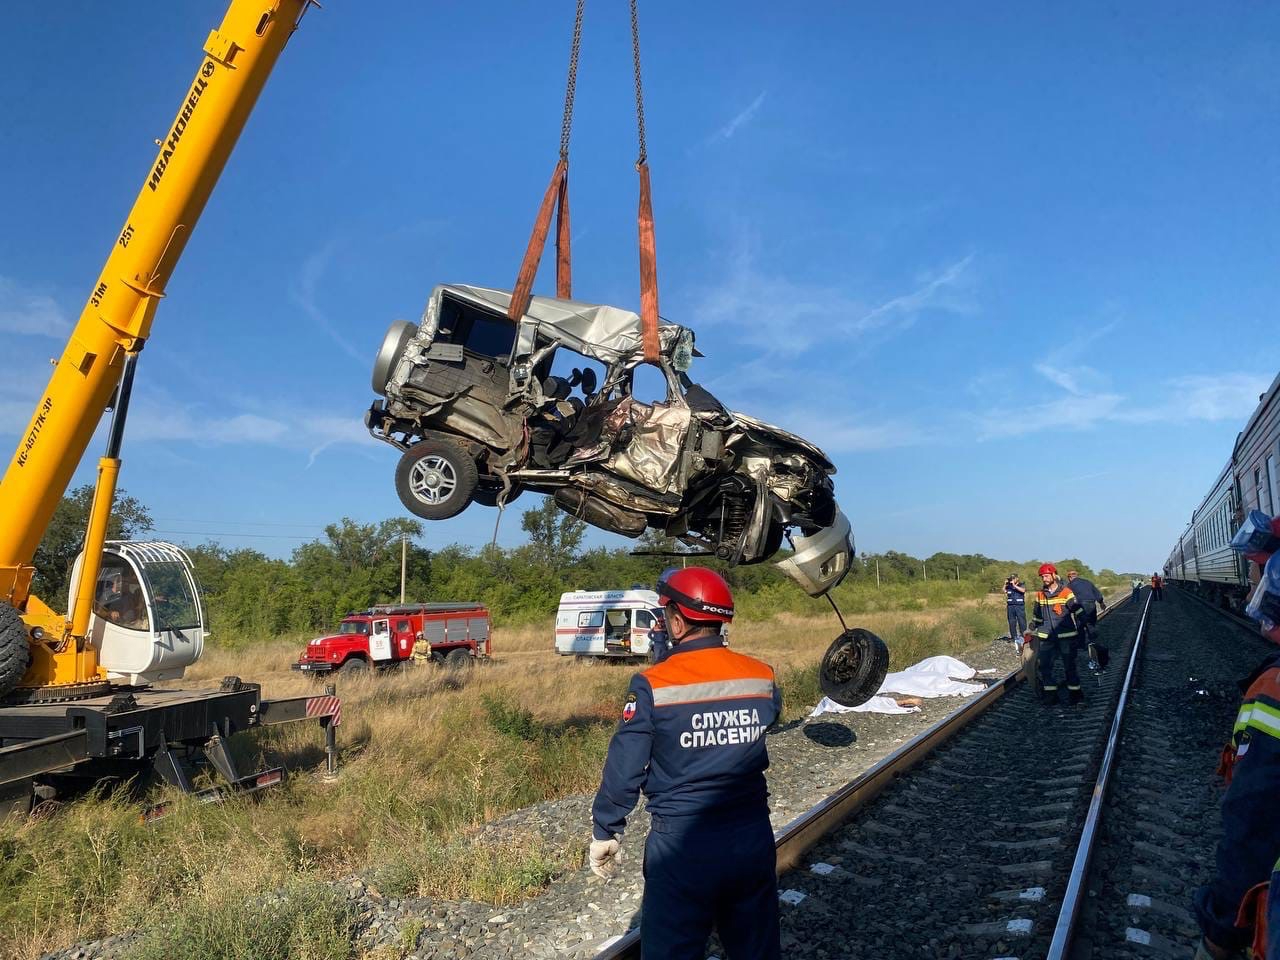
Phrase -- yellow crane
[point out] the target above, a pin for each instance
(99, 660)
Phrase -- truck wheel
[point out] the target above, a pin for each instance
(853, 667)
(354, 667)
(14, 655)
(436, 479)
(458, 659)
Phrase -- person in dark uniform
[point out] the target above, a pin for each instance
(1054, 621)
(1239, 909)
(691, 737)
(1015, 600)
(1092, 602)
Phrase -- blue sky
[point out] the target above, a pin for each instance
(1014, 268)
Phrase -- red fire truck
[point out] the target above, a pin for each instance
(385, 635)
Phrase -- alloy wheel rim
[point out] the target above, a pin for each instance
(433, 479)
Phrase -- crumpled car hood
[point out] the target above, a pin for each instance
(787, 437)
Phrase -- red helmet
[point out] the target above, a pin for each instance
(698, 593)
(1048, 568)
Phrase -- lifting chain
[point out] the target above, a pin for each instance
(635, 56)
(571, 85)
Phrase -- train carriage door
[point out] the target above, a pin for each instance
(380, 640)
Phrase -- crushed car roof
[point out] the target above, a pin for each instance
(595, 330)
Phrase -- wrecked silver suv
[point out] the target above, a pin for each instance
(471, 401)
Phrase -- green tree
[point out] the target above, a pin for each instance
(64, 539)
(555, 537)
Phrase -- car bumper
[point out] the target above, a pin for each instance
(822, 560)
(310, 667)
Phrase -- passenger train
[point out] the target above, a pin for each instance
(1202, 558)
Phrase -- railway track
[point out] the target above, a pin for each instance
(1012, 829)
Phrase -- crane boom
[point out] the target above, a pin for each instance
(238, 57)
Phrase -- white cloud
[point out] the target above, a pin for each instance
(305, 293)
(1199, 397)
(743, 117)
(946, 291)
(785, 318)
(29, 313)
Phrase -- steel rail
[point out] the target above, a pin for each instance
(1072, 899)
(796, 838)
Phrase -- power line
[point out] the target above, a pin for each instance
(222, 533)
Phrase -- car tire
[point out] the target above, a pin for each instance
(486, 494)
(436, 479)
(459, 658)
(14, 652)
(853, 667)
(354, 667)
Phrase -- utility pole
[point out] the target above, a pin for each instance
(404, 550)
(877, 573)
(957, 573)
(925, 567)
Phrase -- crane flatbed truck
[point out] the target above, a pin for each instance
(77, 694)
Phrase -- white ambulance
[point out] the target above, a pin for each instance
(606, 623)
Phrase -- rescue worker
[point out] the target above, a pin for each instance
(1015, 601)
(1232, 909)
(1054, 621)
(1157, 587)
(691, 737)
(1092, 601)
(1137, 588)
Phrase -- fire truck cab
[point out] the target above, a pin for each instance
(386, 635)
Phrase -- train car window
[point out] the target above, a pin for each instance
(1273, 485)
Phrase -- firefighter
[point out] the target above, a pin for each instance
(691, 736)
(1232, 908)
(1054, 621)
(1092, 601)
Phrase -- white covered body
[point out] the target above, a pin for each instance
(606, 623)
(147, 621)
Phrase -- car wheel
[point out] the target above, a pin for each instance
(458, 659)
(854, 667)
(354, 667)
(486, 493)
(436, 479)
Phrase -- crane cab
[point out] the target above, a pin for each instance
(147, 621)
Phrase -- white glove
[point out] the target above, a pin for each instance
(605, 856)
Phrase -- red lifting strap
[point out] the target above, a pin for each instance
(648, 270)
(556, 197)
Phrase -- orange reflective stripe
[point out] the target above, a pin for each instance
(706, 666)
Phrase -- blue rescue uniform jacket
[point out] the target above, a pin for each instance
(1012, 596)
(691, 737)
(1250, 844)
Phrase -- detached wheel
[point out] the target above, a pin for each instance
(436, 479)
(14, 654)
(458, 659)
(853, 667)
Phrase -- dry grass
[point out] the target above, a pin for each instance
(427, 756)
